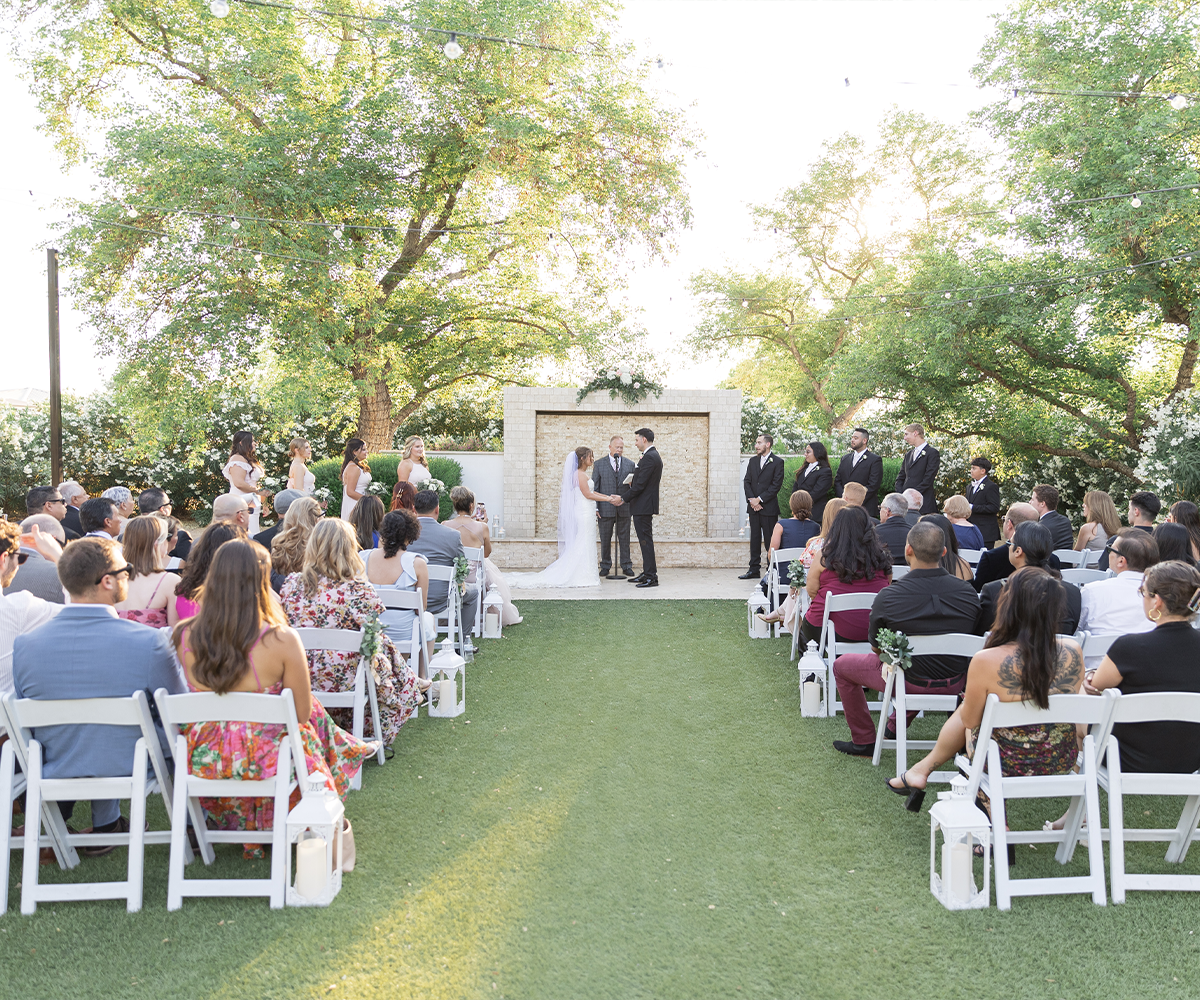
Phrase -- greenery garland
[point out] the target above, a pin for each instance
(630, 385)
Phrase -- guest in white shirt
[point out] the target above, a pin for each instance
(1114, 605)
(21, 611)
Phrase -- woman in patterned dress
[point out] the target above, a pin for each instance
(332, 592)
(238, 641)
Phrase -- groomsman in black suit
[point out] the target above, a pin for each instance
(861, 465)
(984, 497)
(610, 474)
(1045, 502)
(919, 469)
(763, 479)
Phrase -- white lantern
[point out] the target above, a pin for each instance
(756, 604)
(812, 682)
(315, 827)
(963, 825)
(493, 615)
(446, 698)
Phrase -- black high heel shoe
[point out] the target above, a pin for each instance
(916, 796)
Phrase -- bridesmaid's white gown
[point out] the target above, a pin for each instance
(364, 480)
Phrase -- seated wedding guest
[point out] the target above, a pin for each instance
(123, 498)
(365, 520)
(855, 494)
(1114, 605)
(229, 508)
(282, 501)
(1188, 514)
(331, 591)
(191, 582)
(1143, 509)
(1162, 659)
(240, 641)
(1022, 660)
(983, 498)
(21, 611)
(150, 599)
(791, 533)
(952, 562)
(958, 513)
(392, 565)
(1030, 546)
(994, 563)
(440, 546)
(99, 519)
(852, 561)
(1044, 500)
(915, 498)
(893, 528)
(928, 601)
(403, 495)
(475, 535)
(813, 546)
(1174, 543)
(1100, 522)
(50, 501)
(287, 548)
(74, 495)
(86, 651)
(175, 542)
(156, 501)
(38, 575)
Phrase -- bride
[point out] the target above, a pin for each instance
(576, 565)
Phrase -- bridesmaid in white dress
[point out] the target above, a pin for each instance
(356, 475)
(413, 468)
(299, 478)
(243, 472)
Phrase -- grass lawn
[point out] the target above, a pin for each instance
(635, 809)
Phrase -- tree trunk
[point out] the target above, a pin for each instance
(376, 424)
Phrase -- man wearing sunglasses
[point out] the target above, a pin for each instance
(1114, 605)
(48, 500)
(86, 651)
(20, 611)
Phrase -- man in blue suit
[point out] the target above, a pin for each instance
(86, 651)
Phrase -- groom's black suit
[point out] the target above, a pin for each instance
(643, 505)
(608, 480)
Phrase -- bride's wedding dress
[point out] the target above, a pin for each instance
(577, 564)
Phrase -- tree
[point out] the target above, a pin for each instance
(837, 234)
(405, 222)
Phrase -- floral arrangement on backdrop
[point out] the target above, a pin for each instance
(624, 381)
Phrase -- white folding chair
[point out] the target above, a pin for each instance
(1097, 643)
(348, 641)
(984, 774)
(398, 599)
(1081, 576)
(1070, 557)
(1173, 706)
(899, 572)
(147, 774)
(972, 556)
(777, 587)
(475, 558)
(176, 710)
(1091, 557)
(895, 692)
(830, 648)
(450, 620)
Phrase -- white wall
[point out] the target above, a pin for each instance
(483, 475)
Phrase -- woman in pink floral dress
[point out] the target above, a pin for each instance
(332, 592)
(239, 642)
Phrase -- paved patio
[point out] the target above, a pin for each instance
(673, 584)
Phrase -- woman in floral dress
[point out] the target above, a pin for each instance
(332, 592)
(238, 641)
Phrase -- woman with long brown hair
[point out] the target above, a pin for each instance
(403, 495)
(243, 470)
(356, 474)
(1100, 522)
(239, 641)
(150, 598)
(1188, 514)
(365, 519)
(191, 581)
(287, 547)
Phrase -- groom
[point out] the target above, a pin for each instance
(610, 473)
(643, 504)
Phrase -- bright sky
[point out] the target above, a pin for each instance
(763, 81)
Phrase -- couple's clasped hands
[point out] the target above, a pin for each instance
(615, 500)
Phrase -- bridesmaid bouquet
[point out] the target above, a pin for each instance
(436, 485)
(322, 494)
(381, 490)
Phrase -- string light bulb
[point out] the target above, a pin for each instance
(131, 212)
(452, 49)
(1177, 101)
(338, 232)
(258, 258)
(1010, 216)
(234, 225)
(219, 8)
(1135, 201)
(745, 303)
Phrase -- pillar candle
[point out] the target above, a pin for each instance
(956, 870)
(447, 694)
(311, 870)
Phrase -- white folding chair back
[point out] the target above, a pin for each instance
(1081, 576)
(475, 614)
(176, 710)
(972, 556)
(1096, 644)
(1172, 706)
(895, 693)
(830, 648)
(148, 773)
(348, 641)
(984, 774)
(399, 599)
(1070, 557)
(778, 587)
(899, 572)
(1091, 557)
(450, 620)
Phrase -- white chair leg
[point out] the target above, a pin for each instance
(33, 822)
(1091, 797)
(900, 705)
(279, 841)
(7, 771)
(883, 714)
(179, 814)
(1072, 830)
(1116, 824)
(375, 719)
(995, 792)
(137, 829)
(1185, 832)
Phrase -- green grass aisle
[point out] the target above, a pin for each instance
(635, 809)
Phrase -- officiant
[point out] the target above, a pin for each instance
(609, 475)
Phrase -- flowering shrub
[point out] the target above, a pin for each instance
(1170, 453)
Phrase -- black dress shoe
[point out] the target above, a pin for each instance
(100, 850)
(650, 581)
(637, 579)
(854, 749)
(752, 574)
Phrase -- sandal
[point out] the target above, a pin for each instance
(916, 796)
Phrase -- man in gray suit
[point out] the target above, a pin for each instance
(609, 475)
(440, 546)
(86, 651)
(37, 574)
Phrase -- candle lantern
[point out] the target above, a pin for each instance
(493, 615)
(446, 671)
(963, 825)
(812, 682)
(315, 828)
(756, 604)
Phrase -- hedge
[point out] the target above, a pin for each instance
(383, 470)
